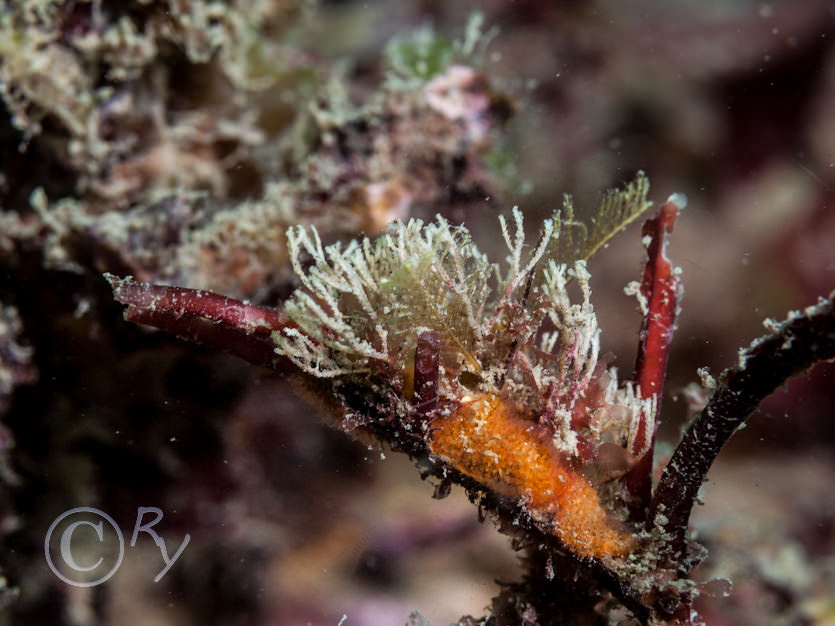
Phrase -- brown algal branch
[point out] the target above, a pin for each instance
(209, 319)
(661, 291)
(794, 346)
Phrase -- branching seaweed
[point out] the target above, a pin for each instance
(354, 298)
(791, 348)
(405, 341)
(369, 300)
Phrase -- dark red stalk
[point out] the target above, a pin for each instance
(206, 318)
(427, 367)
(661, 291)
(795, 346)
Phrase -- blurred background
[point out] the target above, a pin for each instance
(176, 140)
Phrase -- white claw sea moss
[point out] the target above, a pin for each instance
(361, 307)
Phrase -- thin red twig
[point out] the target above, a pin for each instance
(234, 326)
(427, 367)
(661, 291)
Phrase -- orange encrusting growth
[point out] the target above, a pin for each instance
(487, 440)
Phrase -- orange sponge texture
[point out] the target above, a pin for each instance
(487, 440)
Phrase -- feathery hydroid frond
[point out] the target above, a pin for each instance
(366, 301)
(575, 240)
(362, 306)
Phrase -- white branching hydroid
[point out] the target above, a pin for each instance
(364, 302)
(362, 306)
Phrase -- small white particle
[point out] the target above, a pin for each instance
(634, 289)
(766, 11)
(679, 199)
(708, 381)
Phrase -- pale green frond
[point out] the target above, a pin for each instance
(440, 281)
(362, 306)
(425, 300)
(575, 240)
(367, 301)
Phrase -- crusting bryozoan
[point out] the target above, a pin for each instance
(516, 396)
